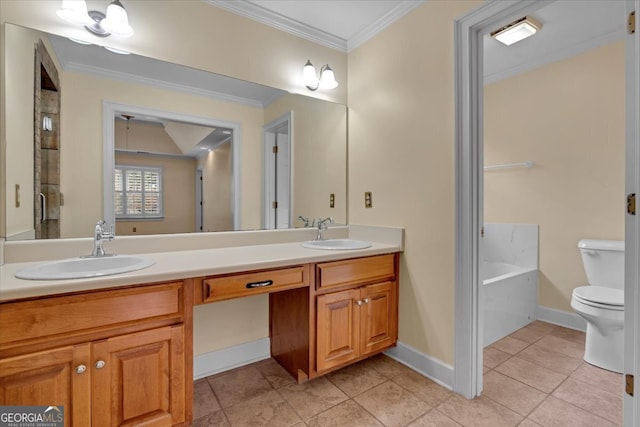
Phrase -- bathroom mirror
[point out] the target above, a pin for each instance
(97, 88)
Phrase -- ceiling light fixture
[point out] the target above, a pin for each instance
(115, 22)
(327, 79)
(517, 30)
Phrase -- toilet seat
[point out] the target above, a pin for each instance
(600, 297)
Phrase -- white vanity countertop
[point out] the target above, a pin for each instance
(185, 264)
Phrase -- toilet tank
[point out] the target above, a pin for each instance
(603, 262)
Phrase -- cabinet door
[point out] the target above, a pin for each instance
(58, 377)
(142, 379)
(379, 326)
(338, 327)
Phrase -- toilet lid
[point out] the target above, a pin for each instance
(601, 295)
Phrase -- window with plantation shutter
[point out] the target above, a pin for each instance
(138, 192)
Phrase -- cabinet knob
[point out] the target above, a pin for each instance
(366, 300)
(80, 369)
(359, 302)
(100, 364)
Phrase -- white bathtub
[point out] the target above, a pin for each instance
(509, 299)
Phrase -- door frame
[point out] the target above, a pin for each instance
(468, 33)
(199, 201)
(111, 109)
(631, 405)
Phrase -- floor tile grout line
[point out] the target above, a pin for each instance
(573, 404)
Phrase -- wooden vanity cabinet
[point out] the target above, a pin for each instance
(357, 309)
(113, 357)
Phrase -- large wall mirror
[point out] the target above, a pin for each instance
(159, 148)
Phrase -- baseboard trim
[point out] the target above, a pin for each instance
(232, 357)
(428, 366)
(561, 318)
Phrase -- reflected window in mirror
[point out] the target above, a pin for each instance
(138, 192)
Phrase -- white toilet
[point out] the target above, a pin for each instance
(601, 303)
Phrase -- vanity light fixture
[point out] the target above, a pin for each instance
(517, 30)
(327, 79)
(115, 22)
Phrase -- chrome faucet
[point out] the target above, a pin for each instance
(99, 236)
(322, 225)
(307, 222)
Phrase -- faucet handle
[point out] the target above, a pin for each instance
(322, 222)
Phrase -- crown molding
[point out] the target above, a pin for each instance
(134, 79)
(291, 26)
(402, 8)
(280, 22)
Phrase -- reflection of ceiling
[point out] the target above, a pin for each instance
(137, 69)
(186, 136)
(190, 139)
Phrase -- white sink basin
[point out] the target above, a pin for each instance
(78, 268)
(336, 244)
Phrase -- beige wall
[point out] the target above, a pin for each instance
(179, 201)
(569, 118)
(319, 155)
(401, 146)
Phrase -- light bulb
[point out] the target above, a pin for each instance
(309, 74)
(117, 22)
(327, 78)
(75, 12)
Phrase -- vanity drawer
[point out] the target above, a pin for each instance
(253, 283)
(355, 271)
(77, 314)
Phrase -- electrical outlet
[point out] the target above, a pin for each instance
(332, 200)
(368, 203)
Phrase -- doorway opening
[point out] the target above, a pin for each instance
(278, 148)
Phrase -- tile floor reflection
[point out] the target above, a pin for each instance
(534, 377)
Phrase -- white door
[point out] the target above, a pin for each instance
(278, 149)
(632, 223)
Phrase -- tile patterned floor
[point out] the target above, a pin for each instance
(534, 377)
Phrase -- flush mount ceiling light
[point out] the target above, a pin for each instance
(115, 22)
(517, 30)
(327, 79)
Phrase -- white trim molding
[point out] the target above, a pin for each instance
(428, 366)
(561, 318)
(224, 359)
(163, 84)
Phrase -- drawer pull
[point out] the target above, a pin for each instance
(260, 284)
(80, 369)
(100, 364)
